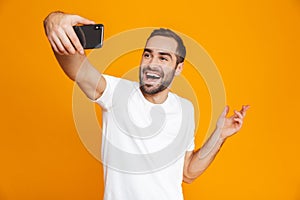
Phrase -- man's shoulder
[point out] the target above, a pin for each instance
(119, 83)
(117, 79)
(184, 101)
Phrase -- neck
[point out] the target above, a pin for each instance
(158, 98)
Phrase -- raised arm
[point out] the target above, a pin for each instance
(198, 161)
(70, 54)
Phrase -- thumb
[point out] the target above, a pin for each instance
(225, 111)
(82, 20)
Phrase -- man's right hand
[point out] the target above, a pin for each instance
(60, 33)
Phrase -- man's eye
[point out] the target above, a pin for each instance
(163, 58)
(146, 55)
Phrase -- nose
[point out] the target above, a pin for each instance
(153, 62)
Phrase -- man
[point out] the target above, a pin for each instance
(154, 175)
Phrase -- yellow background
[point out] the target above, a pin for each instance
(256, 46)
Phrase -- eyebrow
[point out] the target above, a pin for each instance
(160, 53)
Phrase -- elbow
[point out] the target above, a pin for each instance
(191, 177)
(188, 178)
(188, 181)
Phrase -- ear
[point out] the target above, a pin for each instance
(179, 68)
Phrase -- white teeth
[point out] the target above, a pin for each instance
(154, 75)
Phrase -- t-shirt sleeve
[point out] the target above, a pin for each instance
(105, 100)
(191, 147)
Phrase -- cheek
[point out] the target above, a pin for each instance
(145, 60)
(169, 72)
(142, 60)
(144, 64)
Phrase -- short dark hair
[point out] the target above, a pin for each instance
(180, 51)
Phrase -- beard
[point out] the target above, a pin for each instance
(160, 85)
(149, 89)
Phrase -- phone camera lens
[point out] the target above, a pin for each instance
(96, 27)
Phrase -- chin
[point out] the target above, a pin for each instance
(152, 90)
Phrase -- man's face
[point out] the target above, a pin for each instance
(158, 64)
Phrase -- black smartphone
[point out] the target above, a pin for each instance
(90, 36)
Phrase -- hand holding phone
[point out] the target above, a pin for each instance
(90, 36)
(60, 32)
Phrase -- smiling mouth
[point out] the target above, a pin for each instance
(152, 76)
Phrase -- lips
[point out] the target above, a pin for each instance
(150, 75)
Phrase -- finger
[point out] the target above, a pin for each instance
(247, 107)
(54, 47)
(59, 45)
(239, 114)
(225, 111)
(244, 109)
(52, 43)
(239, 120)
(74, 39)
(66, 42)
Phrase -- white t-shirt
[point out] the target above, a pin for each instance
(143, 144)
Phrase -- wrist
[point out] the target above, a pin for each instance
(222, 139)
(221, 134)
(213, 145)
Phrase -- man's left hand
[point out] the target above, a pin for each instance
(232, 124)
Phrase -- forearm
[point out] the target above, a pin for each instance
(79, 69)
(197, 162)
(204, 156)
(70, 53)
(70, 64)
